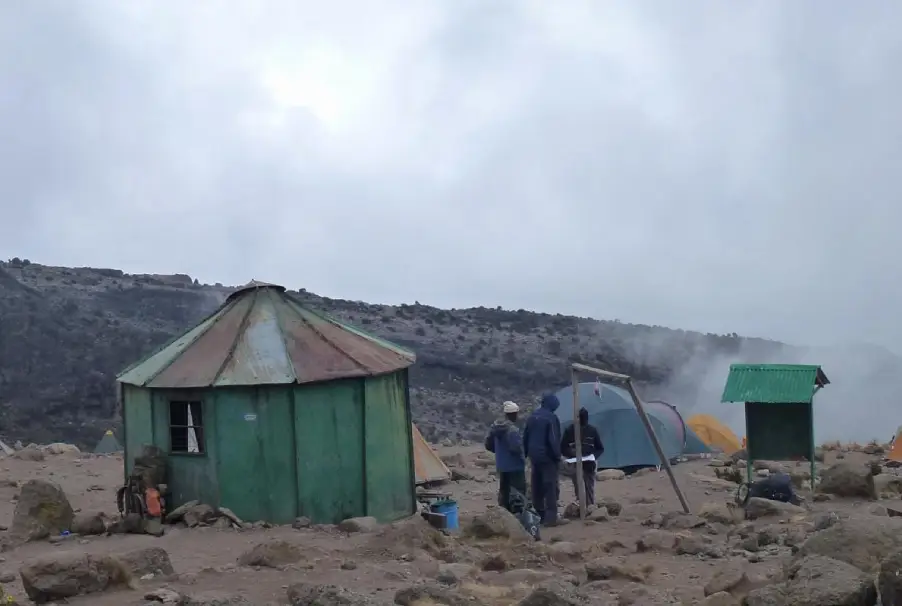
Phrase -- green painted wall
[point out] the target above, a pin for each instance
(255, 466)
(138, 425)
(389, 472)
(327, 451)
(329, 425)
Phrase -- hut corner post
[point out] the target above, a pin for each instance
(748, 446)
(578, 446)
(817, 388)
(640, 408)
(120, 406)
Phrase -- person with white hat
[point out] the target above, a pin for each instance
(505, 442)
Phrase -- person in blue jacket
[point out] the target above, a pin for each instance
(542, 441)
(505, 442)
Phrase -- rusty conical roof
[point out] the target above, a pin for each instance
(262, 336)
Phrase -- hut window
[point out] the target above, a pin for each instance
(186, 426)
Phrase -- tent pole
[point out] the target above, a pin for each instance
(578, 446)
(665, 463)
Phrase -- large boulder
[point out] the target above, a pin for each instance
(889, 579)
(30, 453)
(66, 575)
(718, 512)
(215, 598)
(150, 560)
(610, 568)
(427, 594)
(87, 524)
(58, 448)
(361, 524)
(818, 581)
(41, 511)
(272, 554)
(862, 541)
(311, 594)
(845, 479)
(411, 536)
(496, 522)
(888, 484)
(757, 507)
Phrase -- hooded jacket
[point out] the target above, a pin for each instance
(589, 437)
(504, 440)
(542, 436)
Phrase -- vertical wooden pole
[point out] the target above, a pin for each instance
(578, 446)
(665, 463)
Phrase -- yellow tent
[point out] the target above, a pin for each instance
(714, 433)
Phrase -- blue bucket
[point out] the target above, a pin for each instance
(447, 508)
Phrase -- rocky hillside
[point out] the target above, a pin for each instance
(66, 332)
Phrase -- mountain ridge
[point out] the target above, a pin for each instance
(65, 333)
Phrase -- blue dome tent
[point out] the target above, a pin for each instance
(626, 442)
(692, 444)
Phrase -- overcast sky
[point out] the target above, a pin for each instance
(718, 166)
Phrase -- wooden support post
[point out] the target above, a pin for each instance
(640, 409)
(578, 446)
(665, 463)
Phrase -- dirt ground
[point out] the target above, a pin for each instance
(205, 558)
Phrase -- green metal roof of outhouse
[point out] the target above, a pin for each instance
(773, 383)
(262, 336)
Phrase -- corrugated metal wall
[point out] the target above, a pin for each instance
(389, 468)
(327, 451)
(330, 453)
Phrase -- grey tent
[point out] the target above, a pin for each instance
(108, 444)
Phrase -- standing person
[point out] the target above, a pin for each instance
(591, 445)
(542, 440)
(505, 442)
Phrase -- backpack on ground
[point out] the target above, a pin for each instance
(524, 512)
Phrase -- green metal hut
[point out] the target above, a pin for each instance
(779, 417)
(276, 411)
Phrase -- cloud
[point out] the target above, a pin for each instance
(719, 168)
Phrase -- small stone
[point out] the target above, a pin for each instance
(301, 522)
(361, 524)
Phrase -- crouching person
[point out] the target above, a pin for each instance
(505, 442)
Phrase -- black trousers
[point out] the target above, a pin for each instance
(588, 483)
(545, 489)
(508, 480)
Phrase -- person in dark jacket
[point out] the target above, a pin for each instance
(591, 445)
(542, 440)
(505, 442)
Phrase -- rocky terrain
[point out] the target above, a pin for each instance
(636, 548)
(66, 332)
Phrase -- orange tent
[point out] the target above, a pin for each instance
(714, 433)
(895, 453)
(429, 467)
